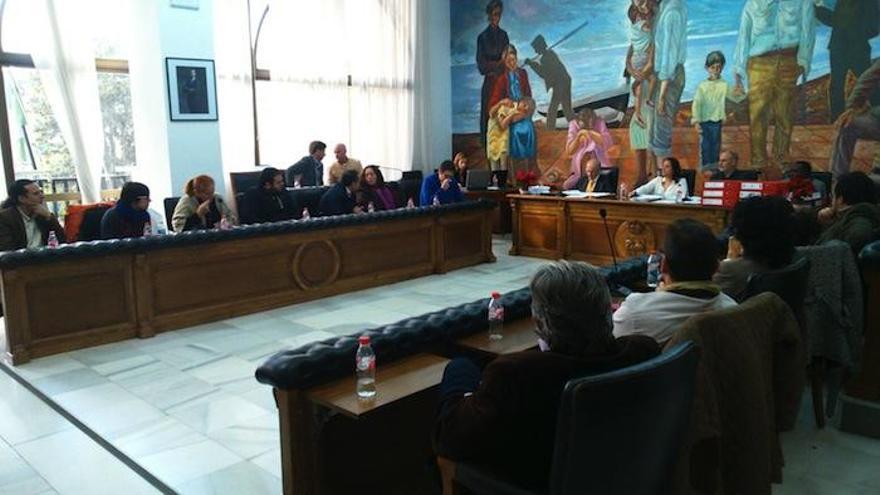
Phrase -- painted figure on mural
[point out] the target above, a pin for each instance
(550, 68)
(853, 23)
(709, 110)
(588, 137)
(490, 46)
(670, 53)
(859, 120)
(514, 85)
(774, 48)
(640, 65)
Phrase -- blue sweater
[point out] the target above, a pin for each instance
(431, 187)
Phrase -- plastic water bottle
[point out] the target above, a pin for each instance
(436, 201)
(52, 241)
(365, 361)
(305, 214)
(224, 223)
(494, 181)
(622, 192)
(371, 207)
(148, 229)
(653, 278)
(410, 204)
(496, 317)
(679, 194)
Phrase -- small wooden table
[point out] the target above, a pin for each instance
(518, 336)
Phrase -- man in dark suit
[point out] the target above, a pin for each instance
(340, 199)
(504, 419)
(727, 168)
(268, 201)
(309, 171)
(25, 222)
(593, 181)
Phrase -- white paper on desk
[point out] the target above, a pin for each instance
(693, 200)
(647, 197)
(493, 188)
(574, 193)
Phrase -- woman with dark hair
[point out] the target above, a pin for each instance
(373, 190)
(763, 231)
(853, 216)
(667, 184)
(129, 218)
(200, 207)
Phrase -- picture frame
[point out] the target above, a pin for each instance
(192, 89)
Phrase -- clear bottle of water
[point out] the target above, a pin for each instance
(365, 361)
(52, 241)
(436, 201)
(679, 194)
(410, 204)
(653, 278)
(496, 317)
(494, 181)
(371, 207)
(622, 192)
(224, 223)
(148, 229)
(305, 214)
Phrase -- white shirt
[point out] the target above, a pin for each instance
(660, 314)
(655, 186)
(670, 38)
(31, 230)
(770, 25)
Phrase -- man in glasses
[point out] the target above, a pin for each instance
(25, 222)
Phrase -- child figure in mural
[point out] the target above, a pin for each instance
(498, 133)
(708, 110)
(587, 136)
(640, 56)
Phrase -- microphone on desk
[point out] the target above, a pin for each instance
(613, 282)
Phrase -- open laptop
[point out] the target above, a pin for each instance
(478, 179)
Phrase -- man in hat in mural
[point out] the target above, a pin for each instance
(549, 67)
(774, 49)
(490, 44)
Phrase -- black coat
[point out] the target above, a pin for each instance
(261, 205)
(337, 201)
(603, 184)
(508, 425)
(736, 175)
(311, 172)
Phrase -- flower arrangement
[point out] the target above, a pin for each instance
(526, 178)
(800, 187)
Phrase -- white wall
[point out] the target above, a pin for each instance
(436, 84)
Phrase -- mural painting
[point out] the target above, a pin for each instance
(548, 85)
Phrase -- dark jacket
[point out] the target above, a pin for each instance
(114, 226)
(508, 425)
(12, 234)
(337, 201)
(311, 172)
(736, 175)
(603, 184)
(857, 225)
(260, 206)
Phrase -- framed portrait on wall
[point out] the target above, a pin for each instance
(192, 89)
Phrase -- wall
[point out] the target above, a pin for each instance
(433, 119)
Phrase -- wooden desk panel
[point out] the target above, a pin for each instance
(501, 217)
(555, 227)
(519, 336)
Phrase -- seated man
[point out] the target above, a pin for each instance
(308, 171)
(691, 258)
(505, 418)
(728, 162)
(343, 162)
(593, 180)
(441, 185)
(25, 222)
(853, 216)
(859, 121)
(268, 201)
(341, 198)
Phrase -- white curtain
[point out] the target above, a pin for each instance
(311, 48)
(65, 58)
(422, 108)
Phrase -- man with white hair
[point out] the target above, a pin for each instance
(342, 164)
(504, 419)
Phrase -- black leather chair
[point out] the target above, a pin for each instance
(170, 204)
(412, 175)
(614, 174)
(608, 443)
(308, 197)
(690, 176)
(410, 189)
(90, 229)
(241, 182)
(790, 284)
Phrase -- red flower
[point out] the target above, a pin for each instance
(526, 178)
(800, 187)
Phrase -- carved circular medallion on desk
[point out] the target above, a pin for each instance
(634, 238)
(316, 264)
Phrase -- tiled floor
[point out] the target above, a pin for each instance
(185, 406)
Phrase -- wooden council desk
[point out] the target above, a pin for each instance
(501, 217)
(556, 227)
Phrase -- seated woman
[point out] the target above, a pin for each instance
(667, 183)
(461, 167)
(763, 239)
(373, 190)
(200, 207)
(129, 218)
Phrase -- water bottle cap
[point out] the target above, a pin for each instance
(364, 340)
(496, 295)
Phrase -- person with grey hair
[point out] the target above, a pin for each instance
(504, 418)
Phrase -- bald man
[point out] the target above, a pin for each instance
(343, 162)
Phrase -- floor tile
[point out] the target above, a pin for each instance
(179, 465)
(240, 478)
